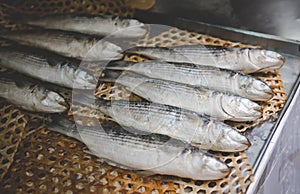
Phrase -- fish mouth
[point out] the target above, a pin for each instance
(270, 94)
(245, 145)
(132, 31)
(240, 109)
(54, 103)
(114, 53)
(248, 143)
(241, 141)
(219, 169)
(275, 57)
(260, 91)
(266, 60)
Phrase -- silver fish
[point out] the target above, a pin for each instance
(246, 60)
(30, 96)
(146, 117)
(155, 153)
(93, 25)
(47, 67)
(68, 44)
(213, 78)
(200, 100)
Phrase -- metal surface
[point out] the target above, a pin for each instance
(274, 17)
(278, 166)
(271, 42)
(261, 136)
(268, 137)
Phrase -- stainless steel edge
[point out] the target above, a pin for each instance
(260, 167)
(271, 42)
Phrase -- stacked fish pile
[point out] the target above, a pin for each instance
(189, 92)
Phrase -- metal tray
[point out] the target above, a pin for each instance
(270, 139)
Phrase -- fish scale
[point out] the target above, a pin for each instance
(155, 153)
(75, 45)
(47, 67)
(29, 94)
(201, 76)
(94, 25)
(148, 117)
(198, 99)
(246, 60)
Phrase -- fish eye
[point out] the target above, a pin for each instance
(243, 85)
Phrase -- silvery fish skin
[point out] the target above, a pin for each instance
(68, 44)
(94, 25)
(200, 100)
(202, 76)
(155, 153)
(247, 60)
(30, 96)
(47, 67)
(146, 117)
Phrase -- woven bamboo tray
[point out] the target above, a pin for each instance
(36, 160)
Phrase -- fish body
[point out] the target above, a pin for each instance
(47, 67)
(219, 105)
(93, 25)
(146, 118)
(68, 44)
(247, 60)
(222, 80)
(155, 153)
(30, 95)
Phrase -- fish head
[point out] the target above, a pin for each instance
(240, 109)
(84, 80)
(132, 28)
(265, 60)
(230, 139)
(256, 89)
(109, 50)
(52, 102)
(205, 164)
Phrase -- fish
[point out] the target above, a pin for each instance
(201, 100)
(27, 94)
(90, 24)
(147, 117)
(158, 154)
(68, 44)
(47, 66)
(218, 79)
(247, 60)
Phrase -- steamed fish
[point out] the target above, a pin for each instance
(200, 100)
(247, 60)
(155, 153)
(201, 76)
(177, 123)
(30, 95)
(80, 46)
(47, 67)
(93, 25)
